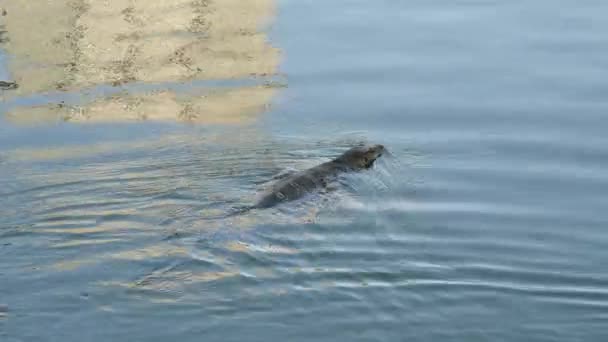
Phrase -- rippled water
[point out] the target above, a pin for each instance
(487, 224)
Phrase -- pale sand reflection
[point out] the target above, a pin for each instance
(239, 246)
(181, 277)
(221, 106)
(39, 40)
(84, 242)
(68, 45)
(167, 279)
(171, 280)
(83, 231)
(67, 152)
(153, 251)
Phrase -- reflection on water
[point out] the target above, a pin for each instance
(70, 44)
(224, 106)
(77, 44)
(490, 224)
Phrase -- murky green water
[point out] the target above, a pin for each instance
(489, 224)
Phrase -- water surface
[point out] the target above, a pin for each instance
(487, 224)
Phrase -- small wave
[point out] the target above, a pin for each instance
(409, 206)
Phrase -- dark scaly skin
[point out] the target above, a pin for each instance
(301, 183)
(7, 85)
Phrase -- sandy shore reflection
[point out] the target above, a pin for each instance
(75, 45)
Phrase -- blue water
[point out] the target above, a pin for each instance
(487, 224)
